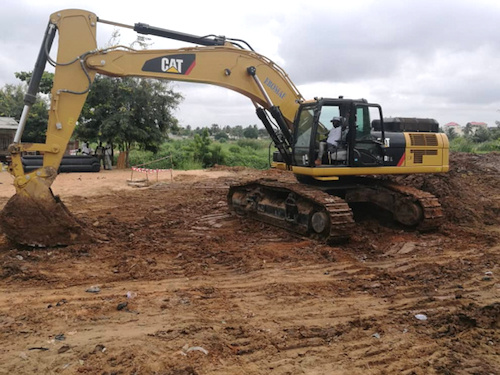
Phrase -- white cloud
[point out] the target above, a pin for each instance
(416, 58)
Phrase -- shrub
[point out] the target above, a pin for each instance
(190, 154)
(250, 143)
(488, 146)
(221, 137)
(247, 160)
(462, 144)
(217, 156)
(235, 149)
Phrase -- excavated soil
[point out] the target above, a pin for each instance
(33, 223)
(175, 284)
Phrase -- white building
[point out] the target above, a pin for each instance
(474, 126)
(453, 125)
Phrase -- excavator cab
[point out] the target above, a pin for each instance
(358, 145)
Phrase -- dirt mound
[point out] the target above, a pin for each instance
(40, 223)
(469, 193)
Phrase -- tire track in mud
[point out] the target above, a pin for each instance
(280, 318)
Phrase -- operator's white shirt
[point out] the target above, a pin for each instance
(334, 136)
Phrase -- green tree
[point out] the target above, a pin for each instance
(11, 101)
(237, 131)
(221, 136)
(468, 130)
(36, 125)
(129, 111)
(205, 152)
(451, 133)
(181, 131)
(481, 135)
(263, 133)
(45, 83)
(202, 148)
(217, 155)
(495, 131)
(12, 104)
(251, 132)
(214, 129)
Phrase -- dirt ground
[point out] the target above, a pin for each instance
(175, 284)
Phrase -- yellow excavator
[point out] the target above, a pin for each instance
(328, 179)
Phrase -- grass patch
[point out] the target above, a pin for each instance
(180, 154)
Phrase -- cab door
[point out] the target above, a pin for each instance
(367, 140)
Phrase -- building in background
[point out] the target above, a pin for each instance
(8, 127)
(453, 125)
(473, 126)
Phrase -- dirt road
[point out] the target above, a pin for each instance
(177, 285)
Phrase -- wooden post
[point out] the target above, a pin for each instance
(171, 168)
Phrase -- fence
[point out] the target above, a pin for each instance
(141, 169)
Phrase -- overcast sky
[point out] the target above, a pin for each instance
(427, 58)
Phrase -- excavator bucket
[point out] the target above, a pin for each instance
(35, 217)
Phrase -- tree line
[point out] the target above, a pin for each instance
(481, 139)
(125, 112)
(223, 133)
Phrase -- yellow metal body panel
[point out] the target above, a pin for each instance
(279, 165)
(329, 171)
(77, 35)
(426, 149)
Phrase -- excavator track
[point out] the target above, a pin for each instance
(409, 206)
(431, 211)
(293, 206)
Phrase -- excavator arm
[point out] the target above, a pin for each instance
(78, 60)
(34, 216)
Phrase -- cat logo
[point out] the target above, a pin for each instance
(172, 64)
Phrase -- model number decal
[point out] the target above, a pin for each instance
(274, 87)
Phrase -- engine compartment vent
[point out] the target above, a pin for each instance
(423, 139)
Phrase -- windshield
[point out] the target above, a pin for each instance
(303, 136)
(305, 129)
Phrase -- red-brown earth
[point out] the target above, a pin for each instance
(175, 284)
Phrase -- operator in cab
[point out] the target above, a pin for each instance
(333, 142)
